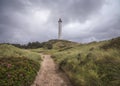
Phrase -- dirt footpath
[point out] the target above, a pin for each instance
(50, 75)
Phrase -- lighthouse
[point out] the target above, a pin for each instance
(59, 28)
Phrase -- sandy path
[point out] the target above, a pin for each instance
(50, 75)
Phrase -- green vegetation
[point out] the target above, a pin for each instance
(44, 51)
(35, 45)
(11, 51)
(53, 46)
(114, 43)
(61, 45)
(93, 64)
(16, 71)
(18, 67)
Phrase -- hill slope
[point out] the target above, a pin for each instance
(93, 64)
(11, 51)
(60, 44)
(53, 46)
(18, 67)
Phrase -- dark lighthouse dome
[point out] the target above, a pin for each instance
(60, 20)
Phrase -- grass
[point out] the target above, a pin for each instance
(44, 51)
(56, 46)
(18, 67)
(11, 51)
(93, 64)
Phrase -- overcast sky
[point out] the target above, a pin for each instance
(23, 21)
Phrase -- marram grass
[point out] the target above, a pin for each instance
(18, 67)
(94, 64)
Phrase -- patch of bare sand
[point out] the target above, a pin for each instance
(50, 75)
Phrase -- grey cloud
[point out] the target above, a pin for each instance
(11, 5)
(17, 22)
(70, 10)
(108, 30)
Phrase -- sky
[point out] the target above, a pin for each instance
(23, 21)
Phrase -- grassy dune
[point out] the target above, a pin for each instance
(56, 46)
(93, 64)
(18, 67)
(11, 51)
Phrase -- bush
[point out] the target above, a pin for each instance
(17, 71)
(114, 43)
(109, 71)
(89, 65)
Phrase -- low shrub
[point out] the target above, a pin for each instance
(17, 71)
(91, 65)
(114, 43)
(109, 71)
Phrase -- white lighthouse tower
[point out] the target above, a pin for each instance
(59, 28)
